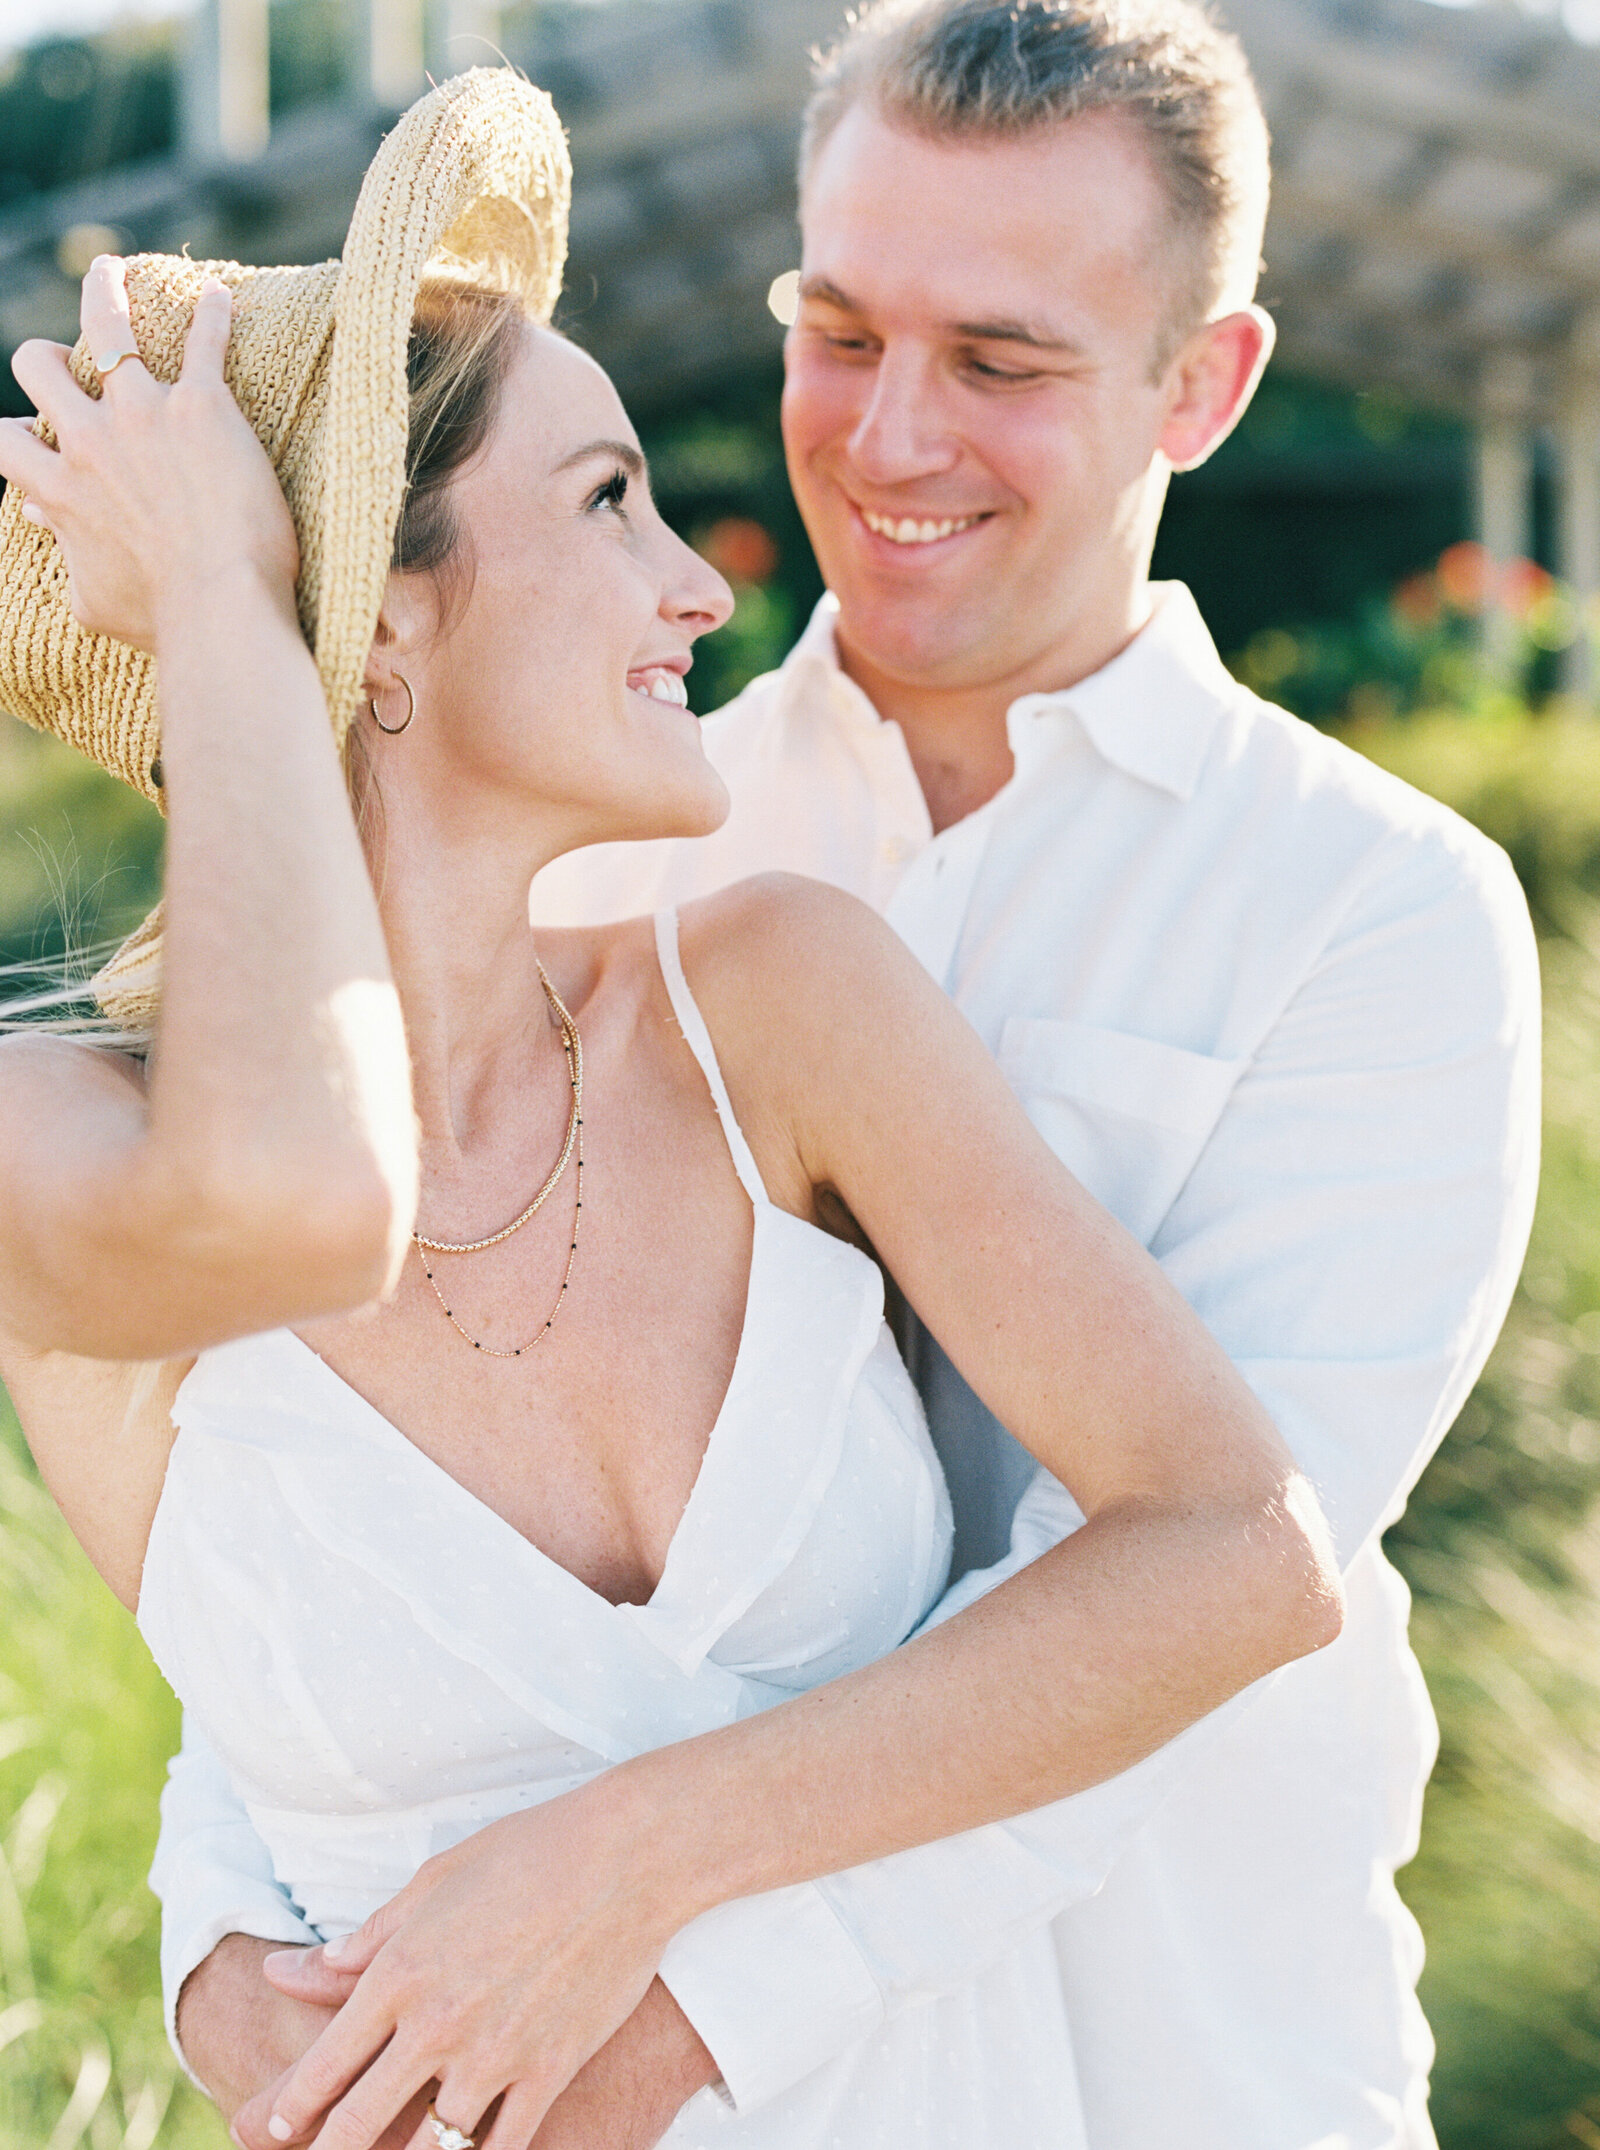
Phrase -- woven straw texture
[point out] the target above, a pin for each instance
(474, 180)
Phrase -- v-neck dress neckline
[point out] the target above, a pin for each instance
(302, 1540)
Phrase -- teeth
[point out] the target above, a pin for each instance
(906, 530)
(662, 686)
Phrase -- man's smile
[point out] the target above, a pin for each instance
(916, 530)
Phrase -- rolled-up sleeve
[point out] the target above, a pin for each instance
(212, 1874)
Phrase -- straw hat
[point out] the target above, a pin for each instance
(473, 181)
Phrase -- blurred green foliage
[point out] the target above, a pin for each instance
(80, 855)
(1466, 633)
(720, 479)
(1501, 1542)
(70, 107)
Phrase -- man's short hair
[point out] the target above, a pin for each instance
(964, 69)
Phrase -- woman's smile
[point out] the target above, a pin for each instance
(660, 683)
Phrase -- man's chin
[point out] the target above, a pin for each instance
(912, 647)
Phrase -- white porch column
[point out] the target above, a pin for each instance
(1578, 434)
(1504, 483)
(224, 101)
(462, 34)
(387, 68)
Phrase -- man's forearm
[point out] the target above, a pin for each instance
(240, 2035)
(237, 2032)
(633, 2089)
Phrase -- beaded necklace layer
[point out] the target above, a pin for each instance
(571, 1150)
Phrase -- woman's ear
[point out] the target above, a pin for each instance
(1210, 383)
(407, 621)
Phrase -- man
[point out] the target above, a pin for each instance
(1277, 1011)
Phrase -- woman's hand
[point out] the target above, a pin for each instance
(151, 491)
(497, 1972)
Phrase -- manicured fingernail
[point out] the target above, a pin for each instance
(31, 514)
(279, 2129)
(335, 1952)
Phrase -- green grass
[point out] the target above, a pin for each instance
(85, 1725)
(1501, 1545)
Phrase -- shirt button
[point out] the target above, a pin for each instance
(895, 850)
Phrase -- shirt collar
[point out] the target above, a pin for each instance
(1154, 709)
(814, 662)
(1151, 712)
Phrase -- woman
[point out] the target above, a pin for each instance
(413, 1587)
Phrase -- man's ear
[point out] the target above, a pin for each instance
(1210, 383)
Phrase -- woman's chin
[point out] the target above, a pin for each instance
(692, 802)
(679, 807)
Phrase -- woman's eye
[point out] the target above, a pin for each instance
(613, 493)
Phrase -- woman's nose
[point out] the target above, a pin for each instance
(696, 597)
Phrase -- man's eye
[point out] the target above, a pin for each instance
(613, 493)
(847, 346)
(986, 372)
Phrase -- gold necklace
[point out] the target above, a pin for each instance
(572, 1045)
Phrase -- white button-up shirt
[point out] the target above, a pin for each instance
(1280, 1013)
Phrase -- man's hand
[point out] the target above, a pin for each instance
(633, 2089)
(240, 2035)
(625, 2098)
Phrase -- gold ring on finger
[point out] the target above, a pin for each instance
(447, 2137)
(107, 362)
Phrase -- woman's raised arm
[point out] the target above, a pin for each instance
(1202, 1566)
(262, 1167)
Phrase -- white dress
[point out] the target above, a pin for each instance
(385, 1665)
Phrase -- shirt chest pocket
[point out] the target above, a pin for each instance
(1127, 1115)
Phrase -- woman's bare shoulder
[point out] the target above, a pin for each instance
(820, 1013)
(779, 935)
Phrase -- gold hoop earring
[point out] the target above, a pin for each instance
(393, 731)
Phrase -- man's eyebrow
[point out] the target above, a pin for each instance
(618, 451)
(1034, 334)
(818, 287)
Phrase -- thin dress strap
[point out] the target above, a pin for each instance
(698, 1039)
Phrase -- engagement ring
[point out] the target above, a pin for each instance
(447, 2137)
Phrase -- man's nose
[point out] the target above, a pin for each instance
(901, 434)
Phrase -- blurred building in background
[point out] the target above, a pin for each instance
(1433, 257)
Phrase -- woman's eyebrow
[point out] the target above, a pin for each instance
(616, 451)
